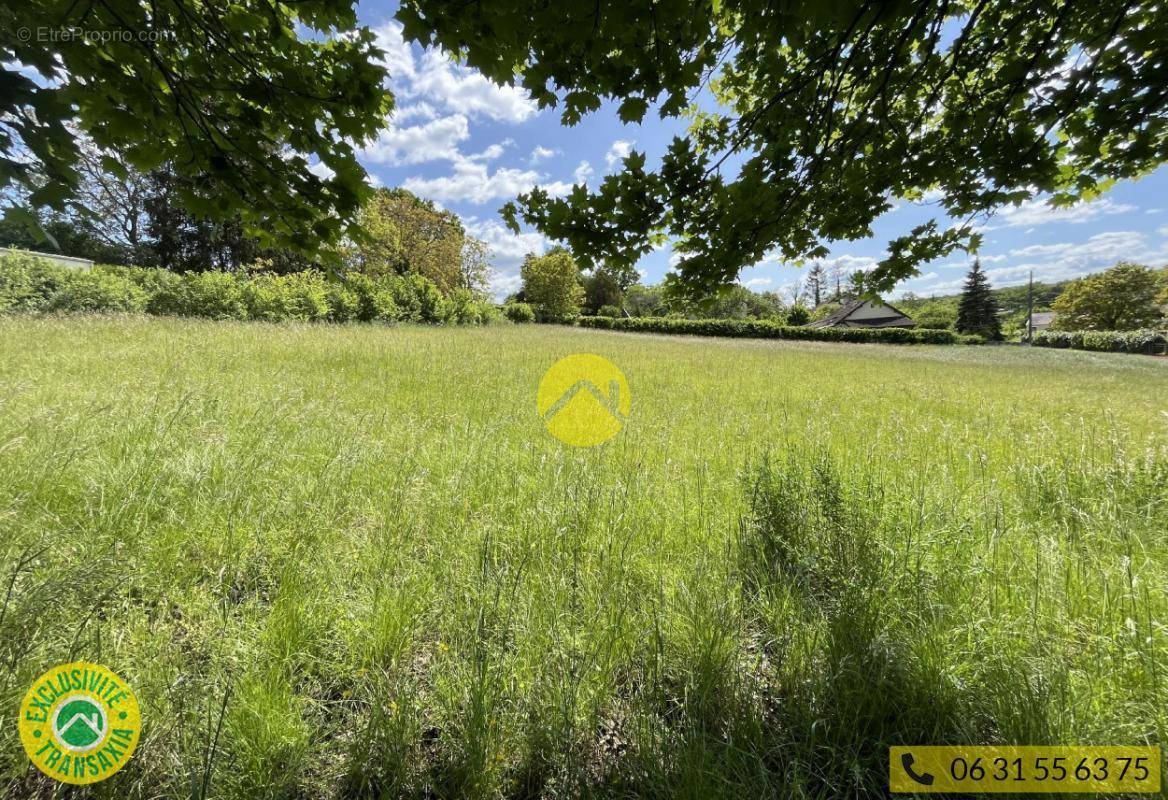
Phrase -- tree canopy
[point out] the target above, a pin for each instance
(552, 284)
(827, 113)
(402, 234)
(1119, 299)
(233, 98)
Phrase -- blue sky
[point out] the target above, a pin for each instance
(471, 146)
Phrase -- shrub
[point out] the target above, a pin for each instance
(299, 296)
(1142, 341)
(610, 311)
(31, 284)
(94, 290)
(423, 299)
(375, 301)
(343, 303)
(214, 295)
(766, 329)
(469, 308)
(934, 319)
(798, 315)
(519, 312)
(27, 283)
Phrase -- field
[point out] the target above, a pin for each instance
(351, 562)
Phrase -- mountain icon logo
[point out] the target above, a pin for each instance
(584, 400)
(79, 723)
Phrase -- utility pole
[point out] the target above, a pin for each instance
(1030, 309)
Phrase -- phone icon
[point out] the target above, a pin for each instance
(924, 779)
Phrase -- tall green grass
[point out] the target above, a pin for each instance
(350, 562)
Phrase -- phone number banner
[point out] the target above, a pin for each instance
(1024, 769)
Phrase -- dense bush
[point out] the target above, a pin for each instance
(935, 319)
(214, 295)
(519, 312)
(798, 315)
(27, 284)
(96, 291)
(1142, 341)
(30, 284)
(375, 301)
(764, 329)
(300, 296)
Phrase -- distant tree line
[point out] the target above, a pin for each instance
(554, 287)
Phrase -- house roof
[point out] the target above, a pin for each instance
(894, 319)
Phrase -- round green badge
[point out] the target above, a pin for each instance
(79, 723)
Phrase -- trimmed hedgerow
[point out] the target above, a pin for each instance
(1142, 341)
(765, 329)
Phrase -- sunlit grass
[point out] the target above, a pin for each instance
(363, 545)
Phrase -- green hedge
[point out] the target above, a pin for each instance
(1142, 341)
(33, 285)
(763, 329)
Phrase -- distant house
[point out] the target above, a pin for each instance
(65, 261)
(866, 314)
(1041, 320)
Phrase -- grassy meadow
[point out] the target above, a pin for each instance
(350, 562)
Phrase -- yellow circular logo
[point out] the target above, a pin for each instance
(584, 400)
(79, 723)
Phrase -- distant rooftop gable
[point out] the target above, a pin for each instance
(866, 314)
(64, 261)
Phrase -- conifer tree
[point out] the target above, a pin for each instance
(977, 313)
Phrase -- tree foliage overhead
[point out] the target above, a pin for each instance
(234, 97)
(827, 112)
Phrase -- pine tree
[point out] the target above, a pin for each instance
(816, 282)
(977, 313)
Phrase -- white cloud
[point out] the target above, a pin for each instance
(473, 182)
(503, 283)
(436, 79)
(431, 141)
(322, 170)
(619, 150)
(399, 58)
(507, 252)
(1065, 260)
(540, 153)
(1162, 231)
(753, 282)
(1036, 212)
(492, 152)
(582, 173)
(507, 248)
(460, 88)
(422, 111)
